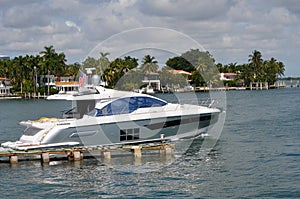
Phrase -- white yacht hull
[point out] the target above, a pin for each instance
(88, 132)
(117, 118)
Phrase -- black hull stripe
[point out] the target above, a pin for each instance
(177, 122)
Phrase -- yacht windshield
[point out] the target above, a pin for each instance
(128, 105)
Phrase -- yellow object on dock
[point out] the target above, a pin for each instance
(46, 119)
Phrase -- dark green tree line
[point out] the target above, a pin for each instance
(256, 70)
(22, 70)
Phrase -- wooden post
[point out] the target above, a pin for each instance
(169, 151)
(107, 155)
(70, 155)
(137, 152)
(137, 161)
(45, 157)
(77, 155)
(13, 159)
(261, 85)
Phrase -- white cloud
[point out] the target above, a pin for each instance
(282, 16)
(71, 24)
(230, 29)
(189, 9)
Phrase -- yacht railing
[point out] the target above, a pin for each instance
(208, 102)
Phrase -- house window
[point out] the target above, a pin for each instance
(129, 134)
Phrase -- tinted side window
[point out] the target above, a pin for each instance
(128, 105)
(120, 106)
(145, 102)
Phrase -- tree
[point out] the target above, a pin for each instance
(246, 73)
(271, 70)
(103, 63)
(180, 63)
(72, 69)
(255, 63)
(149, 64)
(47, 62)
(89, 62)
(117, 69)
(201, 64)
(20, 71)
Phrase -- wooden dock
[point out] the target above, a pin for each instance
(12, 156)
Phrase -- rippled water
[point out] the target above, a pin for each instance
(257, 155)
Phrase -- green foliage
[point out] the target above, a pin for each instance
(131, 80)
(99, 64)
(257, 69)
(43, 90)
(201, 64)
(118, 73)
(89, 62)
(23, 69)
(230, 83)
(149, 64)
(117, 69)
(197, 79)
(169, 79)
(180, 63)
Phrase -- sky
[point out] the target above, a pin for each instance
(229, 29)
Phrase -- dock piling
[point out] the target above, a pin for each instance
(13, 159)
(76, 154)
(137, 152)
(106, 155)
(45, 158)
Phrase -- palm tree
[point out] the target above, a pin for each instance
(246, 73)
(280, 68)
(256, 63)
(20, 70)
(47, 62)
(103, 63)
(102, 54)
(149, 64)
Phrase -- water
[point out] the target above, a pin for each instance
(257, 155)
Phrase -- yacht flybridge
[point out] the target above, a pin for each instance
(109, 117)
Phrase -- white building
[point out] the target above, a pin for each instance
(5, 87)
(228, 76)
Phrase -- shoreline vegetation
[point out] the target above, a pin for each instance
(30, 73)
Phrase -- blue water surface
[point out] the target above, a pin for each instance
(257, 156)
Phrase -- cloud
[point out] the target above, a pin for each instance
(24, 16)
(189, 9)
(281, 15)
(229, 29)
(71, 24)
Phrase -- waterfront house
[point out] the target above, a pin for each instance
(67, 85)
(181, 72)
(5, 87)
(228, 76)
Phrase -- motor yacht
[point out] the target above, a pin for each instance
(110, 117)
